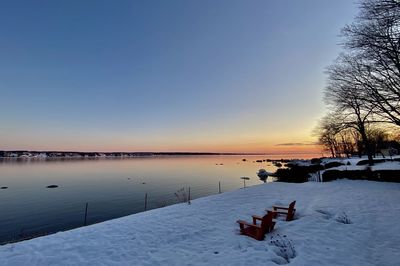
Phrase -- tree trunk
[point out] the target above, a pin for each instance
(367, 146)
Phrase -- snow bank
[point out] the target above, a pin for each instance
(206, 233)
(351, 164)
(347, 161)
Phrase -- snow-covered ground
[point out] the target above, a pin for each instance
(356, 160)
(206, 233)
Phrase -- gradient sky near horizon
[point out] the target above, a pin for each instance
(213, 75)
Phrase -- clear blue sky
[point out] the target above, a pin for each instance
(165, 75)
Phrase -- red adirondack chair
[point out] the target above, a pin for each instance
(255, 230)
(288, 211)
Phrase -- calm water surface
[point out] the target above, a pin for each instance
(111, 187)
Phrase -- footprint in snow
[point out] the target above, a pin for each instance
(327, 215)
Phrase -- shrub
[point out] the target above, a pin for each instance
(365, 162)
(343, 218)
(181, 195)
(331, 175)
(292, 175)
(296, 173)
(333, 164)
(314, 168)
(367, 174)
(284, 245)
(316, 161)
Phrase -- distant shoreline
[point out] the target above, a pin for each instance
(77, 154)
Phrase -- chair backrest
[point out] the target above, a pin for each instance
(291, 210)
(291, 206)
(267, 221)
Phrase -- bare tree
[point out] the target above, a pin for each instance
(345, 94)
(374, 40)
(327, 131)
(336, 137)
(347, 142)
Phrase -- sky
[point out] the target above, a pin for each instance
(212, 75)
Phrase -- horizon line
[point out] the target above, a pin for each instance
(166, 152)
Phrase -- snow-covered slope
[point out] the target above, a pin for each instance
(206, 233)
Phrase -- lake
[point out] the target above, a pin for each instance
(112, 187)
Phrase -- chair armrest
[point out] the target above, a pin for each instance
(247, 223)
(255, 218)
(279, 207)
(242, 222)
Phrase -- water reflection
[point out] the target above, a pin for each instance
(112, 187)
